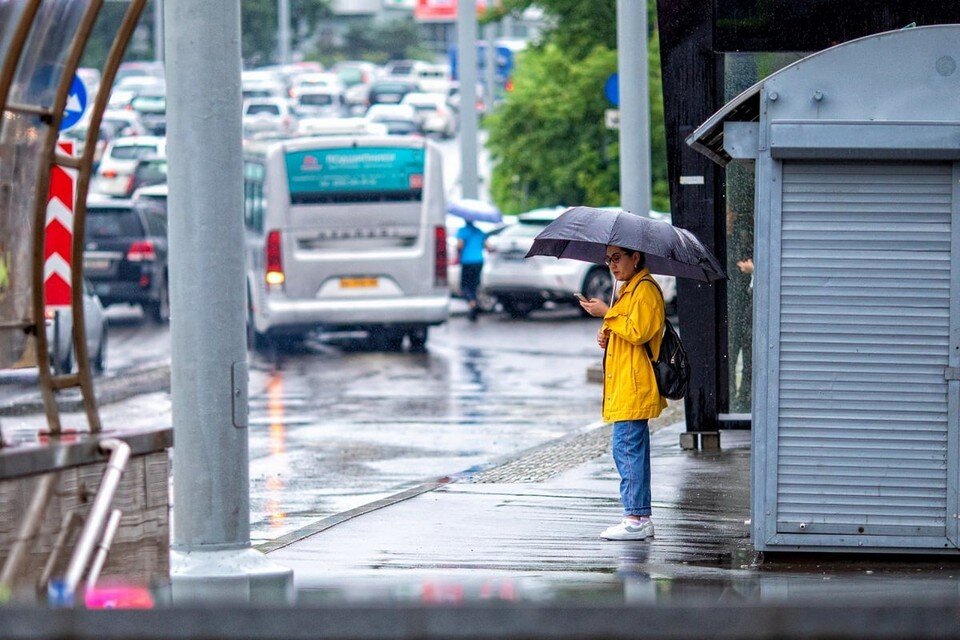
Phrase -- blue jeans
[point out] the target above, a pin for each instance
(631, 454)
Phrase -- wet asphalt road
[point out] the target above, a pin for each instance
(335, 425)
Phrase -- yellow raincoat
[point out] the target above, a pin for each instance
(635, 319)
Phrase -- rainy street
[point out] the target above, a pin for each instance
(335, 424)
(335, 427)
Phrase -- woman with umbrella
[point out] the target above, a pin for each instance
(630, 336)
(632, 331)
(471, 242)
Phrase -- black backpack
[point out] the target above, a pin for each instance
(671, 368)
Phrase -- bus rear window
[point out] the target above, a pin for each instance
(361, 174)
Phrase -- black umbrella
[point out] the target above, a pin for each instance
(583, 233)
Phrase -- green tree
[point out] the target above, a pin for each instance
(548, 141)
(258, 19)
(548, 138)
(394, 40)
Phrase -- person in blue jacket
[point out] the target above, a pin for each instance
(470, 244)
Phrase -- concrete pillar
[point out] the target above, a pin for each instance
(211, 554)
(467, 73)
(634, 106)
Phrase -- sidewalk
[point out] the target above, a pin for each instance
(523, 532)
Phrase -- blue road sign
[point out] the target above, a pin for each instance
(611, 89)
(76, 104)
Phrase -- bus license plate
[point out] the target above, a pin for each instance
(358, 283)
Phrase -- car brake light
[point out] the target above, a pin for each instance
(109, 173)
(141, 251)
(274, 275)
(440, 257)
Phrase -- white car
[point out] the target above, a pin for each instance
(319, 102)
(524, 285)
(400, 119)
(309, 81)
(340, 127)
(433, 78)
(435, 114)
(59, 326)
(262, 89)
(115, 173)
(268, 116)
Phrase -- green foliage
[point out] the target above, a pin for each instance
(258, 23)
(548, 138)
(258, 19)
(394, 40)
(578, 26)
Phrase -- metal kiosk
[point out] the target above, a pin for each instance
(856, 351)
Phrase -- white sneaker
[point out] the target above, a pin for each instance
(629, 530)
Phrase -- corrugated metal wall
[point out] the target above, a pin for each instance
(864, 330)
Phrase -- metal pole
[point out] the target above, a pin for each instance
(158, 30)
(467, 72)
(283, 30)
(92, 529)
(490, 67)
(634, 106)
(208, 372)
(109, 531)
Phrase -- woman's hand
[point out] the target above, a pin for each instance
(603, 336)
(596, 308)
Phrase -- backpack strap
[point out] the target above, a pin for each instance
(650, 278)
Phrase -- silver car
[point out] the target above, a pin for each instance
(525, 285)
(60, 334)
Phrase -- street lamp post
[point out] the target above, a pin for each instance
(634, 106)
(211, 555)
(467, 72)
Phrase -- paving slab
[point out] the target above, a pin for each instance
(473, 539)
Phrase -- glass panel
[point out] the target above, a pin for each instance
(20, 141)
(741, 71)
(10, 14)
(42, 63)
(38, 73)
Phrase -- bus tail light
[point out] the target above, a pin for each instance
(440, 256)
(274, 275)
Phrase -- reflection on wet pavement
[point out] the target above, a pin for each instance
(353, 425)
(467, 541)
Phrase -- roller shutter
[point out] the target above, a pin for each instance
(864, 342)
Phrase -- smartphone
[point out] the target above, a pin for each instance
(580, 297)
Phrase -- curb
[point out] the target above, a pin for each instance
(106, 390)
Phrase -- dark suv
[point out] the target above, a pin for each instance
(125, 255)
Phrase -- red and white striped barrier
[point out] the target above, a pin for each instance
(58, 243)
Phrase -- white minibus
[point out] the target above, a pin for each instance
(345, 233)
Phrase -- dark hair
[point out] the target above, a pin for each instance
(632, 252)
